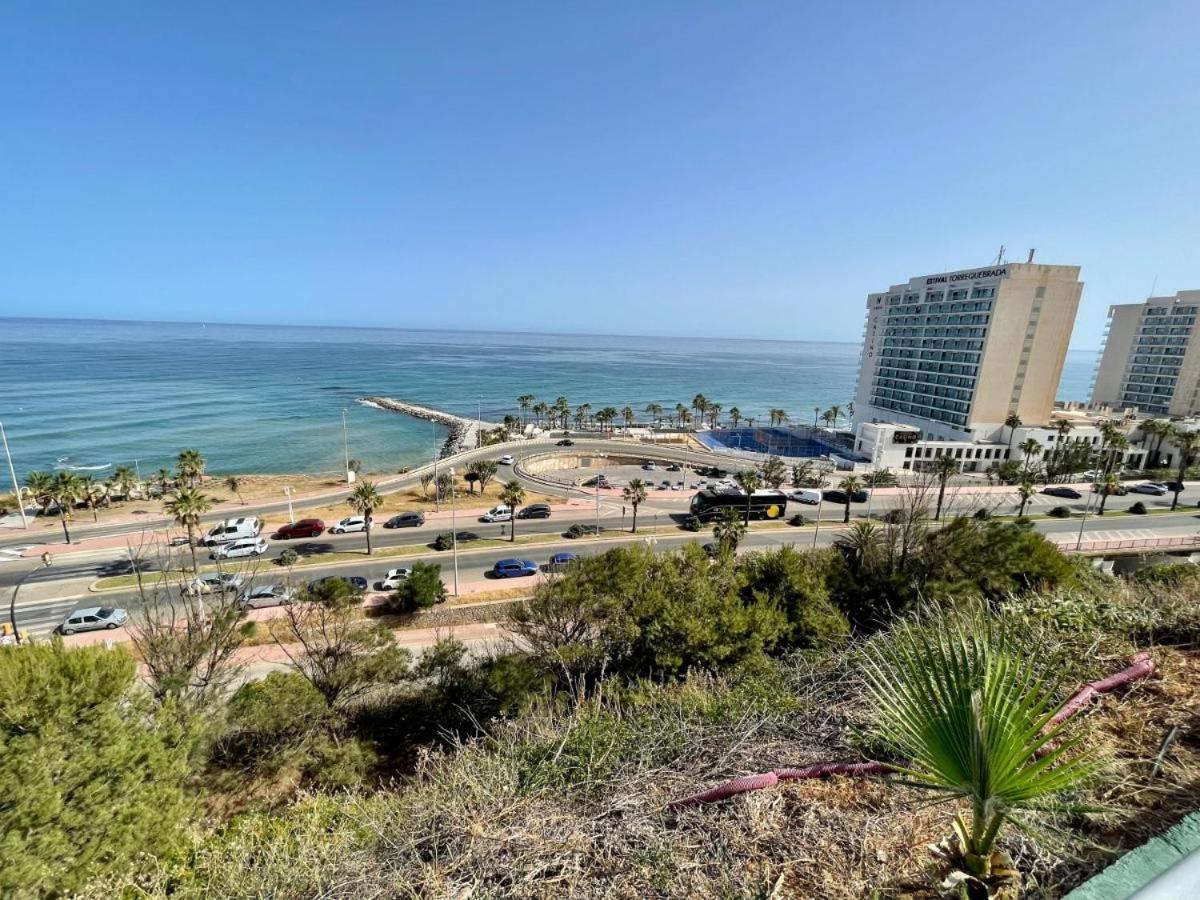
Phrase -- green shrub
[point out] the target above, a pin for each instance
(288, 558)
(267, 716)
(794, 582)
(1060, 512)
(693, 523)
(1168, 575)
(1138, 509)
(797, 520)
(443, 541)
(983, 513)
(249, 629)
(421, 590)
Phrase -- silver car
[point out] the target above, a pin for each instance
(94, 618)
(215, 583)
(267, 595)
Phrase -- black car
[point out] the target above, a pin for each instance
(535, 511)
(674, 467)
(579, 530)
(840, 497)
(1069, 493)
(405, 520)
(566, 442)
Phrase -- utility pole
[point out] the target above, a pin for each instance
(12, 473)
(346, 446)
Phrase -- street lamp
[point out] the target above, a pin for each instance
(346, 448)
(44, 563)
(454, 531)
(291, 515)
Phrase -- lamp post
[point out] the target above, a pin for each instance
(44, 563)
(12, 473)
(454, 530)
(291, 515)
(346, 447)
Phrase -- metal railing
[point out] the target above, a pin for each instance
(1181, 541)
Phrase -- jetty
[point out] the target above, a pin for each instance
(463, 431)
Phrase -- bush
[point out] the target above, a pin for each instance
(269, 716)
(444, 541)
(794, 582)
(983, 513)
(288, 558)
(422, 589)
(693, 523)
(1167, 575)
(797, 519)
(1060, 512)
(1138, 509)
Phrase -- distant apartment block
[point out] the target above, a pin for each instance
(1151, 357)
(955, 353)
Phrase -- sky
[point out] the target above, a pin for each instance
(678, 168)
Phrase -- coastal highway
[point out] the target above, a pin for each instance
(50, 594)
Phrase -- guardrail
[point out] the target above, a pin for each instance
(1130, 544)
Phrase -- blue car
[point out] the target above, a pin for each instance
(560, 561)
(514, 568)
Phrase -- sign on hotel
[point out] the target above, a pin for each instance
(968, 276)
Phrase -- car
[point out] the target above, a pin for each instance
(674, 467)
(665, 484)
(514, 568)
(232, 530)
(305, 528)
(1149, 487)
(94, 618)
(1069, 493)
(649, 466)
(216, 582)
(535, 511)
(566, 442)
(560, 561)
(1172, 486)
(675, 487)
(497, 514)
(393, 579)
(579, 530)
(598, 481)
(267, 595)
(355, 581)
(349, 524)
(810, 497)
(506, 460)
(835, 496)
(238, 549)
(405, 520)
(447, 539)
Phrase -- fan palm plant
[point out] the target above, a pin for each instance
(735, 415)
(729, 531)
(1186, 443)
(1012, 422)
(364, 500)
(973, 709)
(66, 490)
(634, 495)
(124, 479)
(849, 486)
(186, 509)
(190, 466)
(512, 496)
(655, 410)
(525, 402)
(943, 468)
(40, 486)
(1026, 490)
(749, 480)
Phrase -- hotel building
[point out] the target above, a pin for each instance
(953, 354)
(1151, 358)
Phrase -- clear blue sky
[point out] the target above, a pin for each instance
(742, 169)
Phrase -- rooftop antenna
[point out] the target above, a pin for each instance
(1000, 255)
(1153, 286)
(1032, 250)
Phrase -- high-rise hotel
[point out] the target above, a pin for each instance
(955, 353)
(1151, 357)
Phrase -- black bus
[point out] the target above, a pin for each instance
(709, 504)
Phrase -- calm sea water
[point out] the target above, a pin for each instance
(270, 398)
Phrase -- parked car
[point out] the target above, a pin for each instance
(497, 514)
(598, 481)
(506, 460)
(349, 524)
(535, 511)
(405, 520)
(836, 496)
(812, 498)
(355, 581)
(267, 595)
(566, 442)
(216, 582)
(1059, 491)
(514, 568)
(305, 528)
(232, 530)
(674, 467)
(579, 530)
(446, 539)
(94, 618)
(560, 561)
(393, 579)
(1172, 486)
(1149, 487)
(649, 466)
(239, 549)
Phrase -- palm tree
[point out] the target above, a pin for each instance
(41, 487)
(91, 492)
(729, 531)
(850, 413)
(680, 412)
(512, 496)
(581, 414)
(364, 500)
(124, 479)
(655, 410)
(975, 711)
(190, 466)
(828, 418)
(563, 409)
(749, 421)
(1108, 484)
(66, 490)
(186, 509)
(700, 405)
(1026, 489)
(539, 411)
(749, 480)
(525, 401)
(849, 486)
(816, 413)
(1157, 430)
(1029, 449)
(163, 479)
(714, 412)
(943, 468)
(685, 418)
(235, 484)
(634, 495)
(735, 415)
(628, 415)
(837, 412)
(610, 415)
(1012, 422)
(1185, 442)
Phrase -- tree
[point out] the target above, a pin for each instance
(714, 413)
(774, 472)
(680, 413)
(729, 530)
(189, 465)
(562, 409)
(850, 413)
(512, 496)
(1108, 484)
(186, 510)
(943, 468)
(485, 470)
(443, 487)
(816, 413)
(1154, 432)
(426, 482)
(1030, 450)
(735, 415)
(655, 410)
(836, 411)
(1026, 489)
(66, 490)
(627, 415)
(635, 495)
(973, 709)
(525, 401)
(1012, 422)
(163, 479)
(92, 492)
(124, 479)
(801, 473)
(581, 415)
(849, 486)
(471, 478)
(539, 413)
(828, 418)
(422, 589)
(364, 500)
(700, 405)
(235, 484)
(40, 486)
(794, 582)
(1185, 442)
(91, 777)
(749, 480)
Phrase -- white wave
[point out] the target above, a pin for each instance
(370, 404)
(85, 468)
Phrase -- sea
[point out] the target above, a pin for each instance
(89, 395)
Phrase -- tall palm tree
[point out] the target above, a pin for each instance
(186, 510)
(563, 409)
(163, 479)
(973, 708)
(849, 486)
(749, 480)
(581, 414)
(235, 484)
(539, 411)
(124, 479)
(628, 415)
(700, 405)
(943, 468)
(680, 412)
(364, 500)
(749, 421)
(525, 401)
(655, 410)
(828, 418)
(610, 415)
(190, 466)
(729, 531)
(685, 418)
(634, 495)
(837, 412)
(1154, 431)
(1029, 449)
(1108, 484)
(1012, 422)
(512, 496)
(735, 415)
(1026, 489)
(40, 486)
(714, 412)
(91, 492)
(67, 490)
(1185, 442)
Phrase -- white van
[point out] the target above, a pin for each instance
(254, 546)
(233, 530)
(497, 514)
(806, 496)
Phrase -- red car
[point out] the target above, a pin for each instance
(305, 528)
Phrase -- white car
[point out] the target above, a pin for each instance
(217, 582)
(506, 460)
(1153, 488)
(497, 514)
(238, 549)
(349, 524)
(267, 595)
(394, 578)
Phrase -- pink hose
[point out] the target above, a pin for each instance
(1141, 666)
